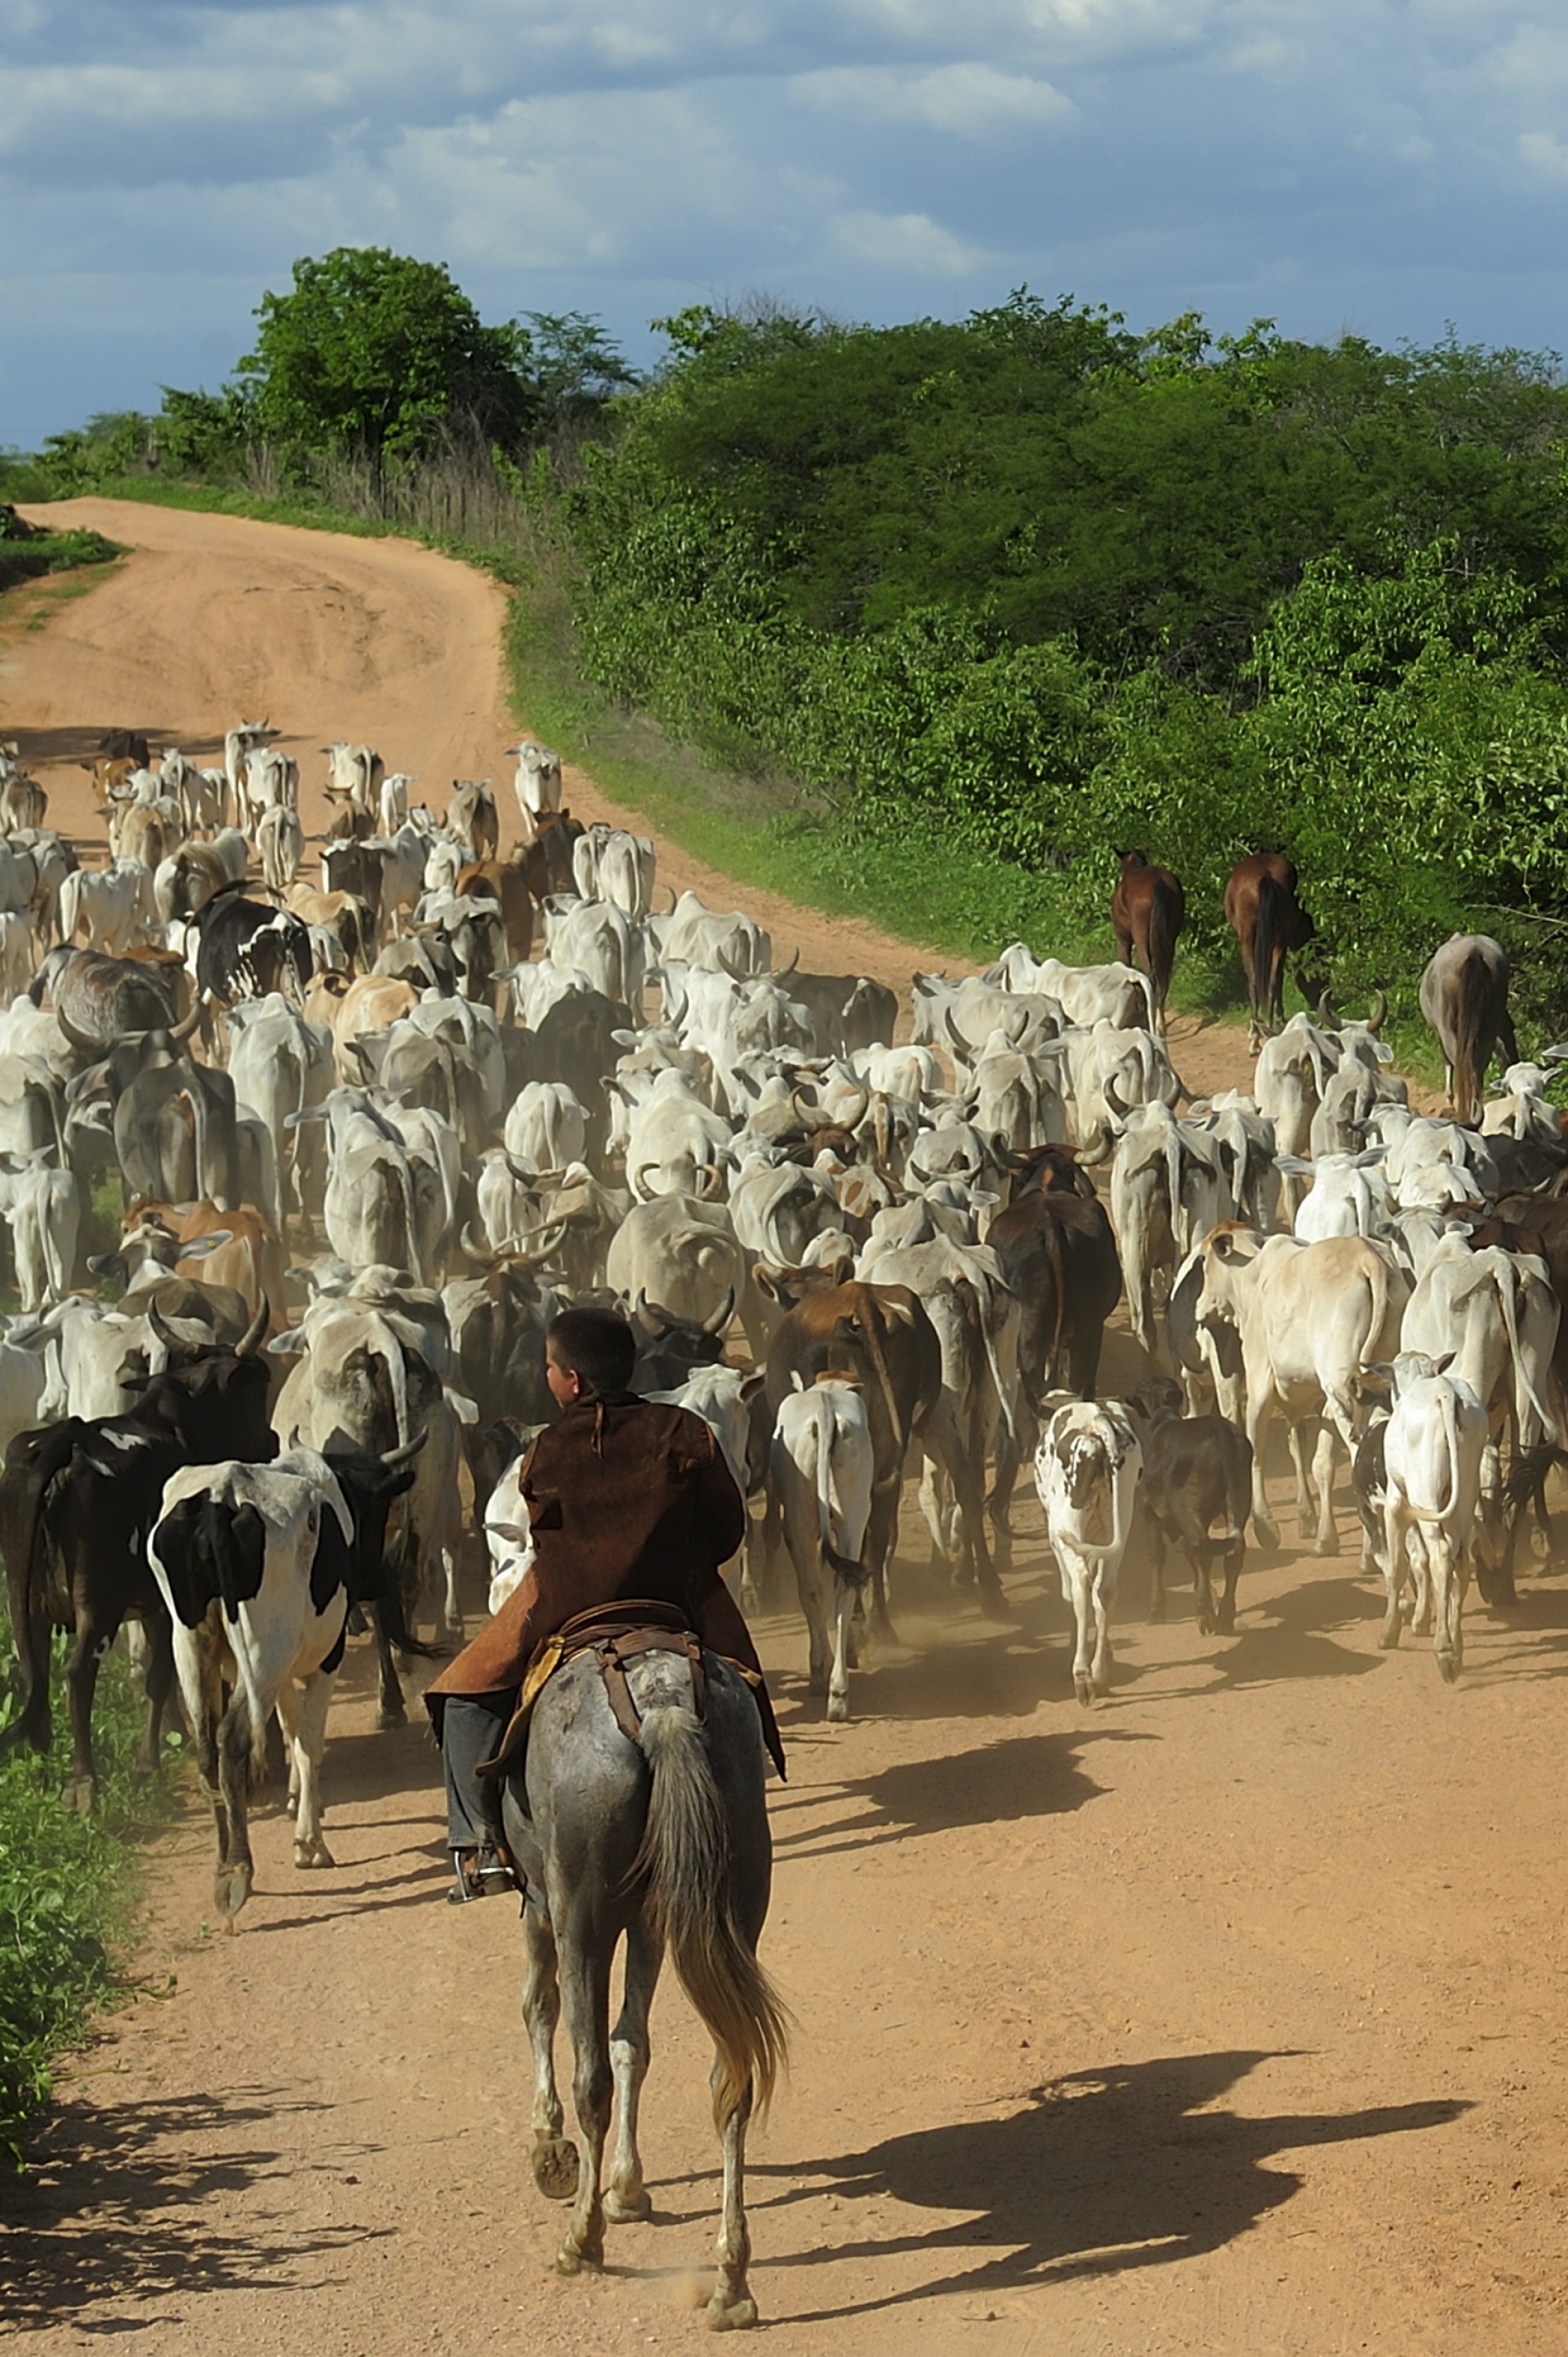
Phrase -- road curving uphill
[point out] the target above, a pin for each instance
(1225, 2014)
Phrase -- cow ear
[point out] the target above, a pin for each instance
(752, 1384)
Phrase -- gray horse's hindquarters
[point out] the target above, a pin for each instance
(586, 1801)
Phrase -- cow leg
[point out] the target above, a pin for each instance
(236, 1869)
(1157, 1552)
(303, 1709)
(1101, 1595)
(1201, 1552)
(93, 1639)
(1076, 1579)
(1419, 1554)
(847, 1595)
(1304, 1511)
(1449, 1568)
(1327, 1540)
(1225, 1616)
(554, 2157)
(626, 2196)
(1393, 1575)
(809, 1581)
(390, 1710)
(452, 1610)
(1260, 1414)
(879, 1535)
(159, 1685)
(938, 1511)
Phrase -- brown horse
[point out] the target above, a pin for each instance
(1148, 912)
(1268, 920)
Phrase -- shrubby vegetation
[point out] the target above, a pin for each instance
(28, 555)
(67, 1891)
(990, 597)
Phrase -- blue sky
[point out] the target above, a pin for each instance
(1332, 164)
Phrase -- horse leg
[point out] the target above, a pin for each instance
(731, 2307)
(626, 2197)
(555, 2158)
(586, 1995)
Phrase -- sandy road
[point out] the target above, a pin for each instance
(1230, 2015)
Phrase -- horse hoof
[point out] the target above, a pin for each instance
(556, 2167)
(571, 2261)
(731, 2315)
(629, 2209)
(387, 1719)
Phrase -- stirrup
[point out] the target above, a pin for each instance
(479, 1874)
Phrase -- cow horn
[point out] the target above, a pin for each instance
(709, 1178)
(853, 1120)
(1379, 1012)
(1114, 1102)
(475, 1246)
(250, 1341)
(180, 1032)
(721, 1315)
(77, 1038)
(794, 961)
(552, 1234)
(1324, 1011)
(674, 899)
(161, 1328)
(394, 1459)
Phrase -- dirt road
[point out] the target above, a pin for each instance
(1229, 2015)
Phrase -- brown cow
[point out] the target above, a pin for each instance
(1264, 913)
(250, 1260)
(882, 1336)
(372, 1003)
(505, 881)
(1148, 913)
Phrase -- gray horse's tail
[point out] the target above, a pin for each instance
(685, 1855)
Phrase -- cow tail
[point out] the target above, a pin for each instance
(871, 1328)
(215, 1547)
(1180, 1240)
(845, 1565)
(1057, 1279)
(411, 1228)
(1523, 1389)
(60, 1276)
(985, 1298)
(1266, 943)
(1450, 1399)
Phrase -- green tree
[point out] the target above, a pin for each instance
(376, 352)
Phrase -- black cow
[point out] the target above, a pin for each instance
(1198, 1470)
(77, 1502)
(245, 948)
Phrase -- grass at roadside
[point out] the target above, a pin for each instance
(68, 1891)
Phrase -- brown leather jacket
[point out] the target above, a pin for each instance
(626, 1499)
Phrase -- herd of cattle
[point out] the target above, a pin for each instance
(245, 1446)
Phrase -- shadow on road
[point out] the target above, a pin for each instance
(1019, 1777)
(107, 2220)
(1099, 2171)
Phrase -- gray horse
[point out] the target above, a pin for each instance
(665, 1841)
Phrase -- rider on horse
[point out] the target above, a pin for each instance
(627, 1503)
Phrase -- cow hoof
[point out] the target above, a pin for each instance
(1206, 1625)
(1157, 1614)
(388, 1718)
(1449, 1667)
(1084, 1689)
(838, 1710)
(730, 2315)
(81, 1794)
(315, 1853)
(629, 2209)
(1267, 1529)
(1225, 1626)
(993, 1604)
(556, 2167)
(1388, 1640)
(1325, 1546)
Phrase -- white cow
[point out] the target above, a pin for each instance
(609, 864)
(1310, 1317)
(1432, 1445)
(537, 784)
(822, 1474)
(1086, 1469)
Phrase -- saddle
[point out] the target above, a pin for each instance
(618, 1634)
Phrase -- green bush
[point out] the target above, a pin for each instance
(68, 1890)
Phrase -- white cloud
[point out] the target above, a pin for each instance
(970, 98)
(1545, 155)
(910, 244)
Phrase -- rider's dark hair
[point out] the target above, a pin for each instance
(597, 1346)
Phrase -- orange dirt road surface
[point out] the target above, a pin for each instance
(1231, 2015)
